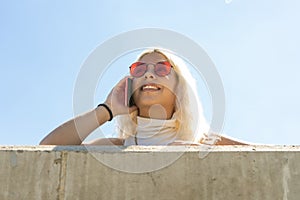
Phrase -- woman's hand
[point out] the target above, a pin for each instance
(116, 99)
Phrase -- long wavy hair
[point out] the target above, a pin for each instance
(190, 120)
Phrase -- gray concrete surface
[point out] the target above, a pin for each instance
(78, 172)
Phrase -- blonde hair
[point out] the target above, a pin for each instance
(188, 109)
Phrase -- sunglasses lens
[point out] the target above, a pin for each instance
(163, 68)
(138, 69)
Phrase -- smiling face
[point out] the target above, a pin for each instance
(154, 95)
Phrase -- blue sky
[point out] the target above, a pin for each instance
(254, 45)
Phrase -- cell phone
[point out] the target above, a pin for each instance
(128, 93)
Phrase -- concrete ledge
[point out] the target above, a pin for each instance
(152, 172)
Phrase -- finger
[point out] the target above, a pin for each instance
(122, 82)
(132, 109)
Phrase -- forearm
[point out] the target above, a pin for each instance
(74, 131)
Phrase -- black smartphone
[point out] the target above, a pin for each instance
(128, 93)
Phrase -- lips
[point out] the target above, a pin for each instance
(150, 87)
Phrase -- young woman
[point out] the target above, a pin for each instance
(166, 109)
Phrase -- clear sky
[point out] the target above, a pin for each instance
(254, 44)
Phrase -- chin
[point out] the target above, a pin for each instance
(147, 103)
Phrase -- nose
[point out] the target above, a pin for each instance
(150, 72)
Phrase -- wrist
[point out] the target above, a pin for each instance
(107, 110)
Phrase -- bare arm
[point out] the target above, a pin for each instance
(107, 141)
(74, 131)
(228, 141)
(216, 139)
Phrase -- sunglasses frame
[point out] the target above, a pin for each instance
(155, 66)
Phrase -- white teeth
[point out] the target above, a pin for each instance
(151, 87)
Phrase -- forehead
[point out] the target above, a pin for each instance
(153, 57)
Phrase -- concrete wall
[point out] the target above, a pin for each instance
(77, 172)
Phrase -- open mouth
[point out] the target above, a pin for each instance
(150, 87)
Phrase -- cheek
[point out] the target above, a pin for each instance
(135, 84)
(135, 97)
(171, 83)
(135, 89)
